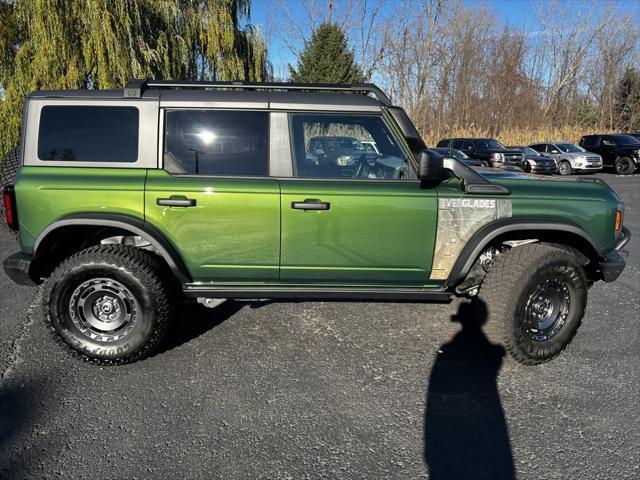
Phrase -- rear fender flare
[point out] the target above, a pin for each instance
(135, 225)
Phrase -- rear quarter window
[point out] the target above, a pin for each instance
(88, 134)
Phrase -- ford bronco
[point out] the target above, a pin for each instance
(126, 201)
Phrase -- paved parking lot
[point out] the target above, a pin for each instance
(327, 390)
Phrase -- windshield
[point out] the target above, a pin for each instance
(490, 144)
(570, 148)
(625, 140)
(458, 154)
(530, 151)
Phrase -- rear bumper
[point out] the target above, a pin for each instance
(17, 268)
(614, 262)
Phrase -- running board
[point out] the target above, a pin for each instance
(387, 294)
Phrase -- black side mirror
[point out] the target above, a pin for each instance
(430, 166)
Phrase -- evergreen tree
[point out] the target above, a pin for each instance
(627, 106)
(326, 58)
(57, 44)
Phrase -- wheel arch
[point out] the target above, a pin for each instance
(549, 231)
(112, 224)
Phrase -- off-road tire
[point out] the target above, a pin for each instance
(140, 272)
(624, 166)
(9, 167)
(512, 278)
(564, 168)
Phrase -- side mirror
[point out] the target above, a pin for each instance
(430, 166)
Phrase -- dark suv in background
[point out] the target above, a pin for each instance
(488, 150)
(622, 152)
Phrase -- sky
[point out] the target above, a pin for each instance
(511, 12)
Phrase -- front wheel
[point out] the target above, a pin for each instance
(536, 296)
(109, 303)
(564, 168)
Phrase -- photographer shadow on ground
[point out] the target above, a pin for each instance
(465, 432)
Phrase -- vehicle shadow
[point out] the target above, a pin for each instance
(465, 432)
(192, 320)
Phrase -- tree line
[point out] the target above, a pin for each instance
(454, 65)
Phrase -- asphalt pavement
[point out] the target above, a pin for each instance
(328, 390)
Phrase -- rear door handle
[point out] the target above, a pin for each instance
(310, 205)
(176, 201)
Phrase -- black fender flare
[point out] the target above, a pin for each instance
(484, 235)
(125, 222)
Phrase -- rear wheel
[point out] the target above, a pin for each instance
(536, 296)
(109, 303)
(564, 168)
(624, 166)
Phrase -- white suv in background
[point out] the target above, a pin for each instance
(570, 157)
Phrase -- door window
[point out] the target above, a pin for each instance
(331, 146)
(458, 144)
(216, 142)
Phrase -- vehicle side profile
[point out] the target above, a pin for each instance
(571, 158)
(128, 200)
(536, 161)
(489, 151)
(620, 152)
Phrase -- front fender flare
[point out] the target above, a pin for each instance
(480, 239)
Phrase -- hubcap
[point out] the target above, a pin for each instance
(547, 309)
(624, 166)
(103, 309)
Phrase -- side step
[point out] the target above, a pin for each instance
(370, 294)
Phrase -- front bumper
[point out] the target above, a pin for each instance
(544, 168)
(612, 265)
(18, 267)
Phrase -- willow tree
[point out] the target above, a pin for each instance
(59, 44)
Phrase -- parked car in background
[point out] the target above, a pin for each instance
(336, 150)
(635, 135)
(489, 151)
(460, 155)
(622, 152)
(370, 146)
(536, 161)
(571, 158)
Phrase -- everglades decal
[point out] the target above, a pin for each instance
(458, 220)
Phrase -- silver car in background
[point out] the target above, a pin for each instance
(571, 158)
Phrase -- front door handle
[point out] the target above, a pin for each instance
(176, 201)
(311, 205)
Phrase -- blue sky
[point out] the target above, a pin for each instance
(513, 12)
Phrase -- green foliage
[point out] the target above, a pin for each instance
(585, 113)
(60, 44)
(627, 106)
(326, 58)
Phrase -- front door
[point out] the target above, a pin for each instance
(360, 220)
(214, 200)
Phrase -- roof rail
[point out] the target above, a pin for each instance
(135, 88)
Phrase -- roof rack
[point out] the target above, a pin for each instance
(136, 87)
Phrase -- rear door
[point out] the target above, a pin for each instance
(367, 222)
(214, 199)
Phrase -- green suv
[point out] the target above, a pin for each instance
(127, 201)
